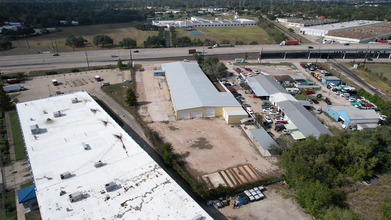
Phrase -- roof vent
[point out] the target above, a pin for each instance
(57, 114)
(76, 196)
(98, 164)
(110, 186)
(86, 146)
(75, 100)
(34, 129)
(65, 175)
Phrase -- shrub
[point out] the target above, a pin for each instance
(75, 70)
(51, 73)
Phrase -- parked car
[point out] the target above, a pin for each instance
(347, 44)
(238, 69)
(246, 105)
(319, 111)
(56, 55)
(247, 69)
(282, 122)
(210, 47)
(127, 80)
(237, 94)
(309, 92)
(136, 51)
(105, 84)
(267, 125)
(249, 110)
(256, 71)
(268, 119)
(186, 60)
(319, 96)
(286, 131)
(327, 100)
(309, 100)
(315, 101)
(310, 47)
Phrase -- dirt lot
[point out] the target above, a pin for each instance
(273, 207)
(210, 145)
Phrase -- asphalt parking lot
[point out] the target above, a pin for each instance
(42, 86)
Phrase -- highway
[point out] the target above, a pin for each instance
(25, 63)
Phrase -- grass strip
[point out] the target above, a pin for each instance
(20, 151)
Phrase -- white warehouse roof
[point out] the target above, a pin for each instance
(142, 189)
(190, 88)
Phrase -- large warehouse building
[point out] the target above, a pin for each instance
(85, 166)
(197, 22)
(194, 96)
(361, 34)
(323, 30)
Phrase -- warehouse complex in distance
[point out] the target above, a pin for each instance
(323, 30)
(197, 22)
(85, 166)
(364, 34)
(194, 96)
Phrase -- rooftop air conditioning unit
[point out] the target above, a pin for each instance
(65, 175)
(98, 164)
(76, 196)
(85, 146)
(57, 114)
(110, 186)
(74, 100)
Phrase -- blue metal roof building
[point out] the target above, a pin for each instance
(26, 194)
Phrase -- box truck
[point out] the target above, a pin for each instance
(191, 51)
(14, 88)
(290, 42)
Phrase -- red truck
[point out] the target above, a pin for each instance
(12, 81)
(290, 42)
(383, 41)
(191, 51)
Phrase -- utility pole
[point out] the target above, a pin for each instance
(55, 41)
(27, 42)
(88, 65)
(131, 58)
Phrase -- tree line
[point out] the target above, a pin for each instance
(319, 169)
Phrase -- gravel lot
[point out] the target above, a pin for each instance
(273, 207)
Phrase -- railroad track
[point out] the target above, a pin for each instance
(352, 75)
(287, 33)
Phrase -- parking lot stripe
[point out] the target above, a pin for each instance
(234, 177)
(222, 177)
(244, 168)
(237, 176)
(209, 182)
(253, 171)
(233, 183)
(242, 173)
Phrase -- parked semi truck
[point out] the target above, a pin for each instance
(223, 45)
(14, 88)
(290, 42)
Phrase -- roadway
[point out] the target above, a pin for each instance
(25, 63)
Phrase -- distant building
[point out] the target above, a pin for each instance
(324, 29)
(196, 22)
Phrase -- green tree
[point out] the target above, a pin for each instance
(199, 57)
(20, 76)
(72, 41)
(336, 213)
(168, 158)
(154, 42)
(254, 43)
(128, 43)
(102, 40)
(5, 100)
(131, 97)
(120, 64)
(225, 41)
(5, 44)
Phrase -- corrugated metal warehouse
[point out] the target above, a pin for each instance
(194, 96)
